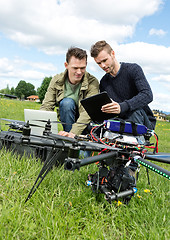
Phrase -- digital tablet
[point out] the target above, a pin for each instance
(93, 106)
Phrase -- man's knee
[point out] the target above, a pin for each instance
(137, 117)
(140, 117)
(67, 104)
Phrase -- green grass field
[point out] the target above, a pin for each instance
(63, 207)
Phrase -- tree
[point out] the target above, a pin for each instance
(43, 88)
(12, 90)
(168, 117)
(23, 89)
(6, 90)
(30, 90)
(20, 90)
(3, 90)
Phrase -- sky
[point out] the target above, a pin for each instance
(35, 35)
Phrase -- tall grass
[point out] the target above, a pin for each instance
(65, 208)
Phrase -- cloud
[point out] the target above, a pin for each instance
(52, 25)
(154, 59)
(5, 65)
(35, 65)
(162, 78)
(157, 32)
(160, 102)
(12, 71)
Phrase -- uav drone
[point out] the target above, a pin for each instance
(120, 148)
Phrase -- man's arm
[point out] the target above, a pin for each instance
(144, 95)
(49, 102)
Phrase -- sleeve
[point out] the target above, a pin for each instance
(144, 93)
(49, 101)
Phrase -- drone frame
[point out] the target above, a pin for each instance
(61, 150)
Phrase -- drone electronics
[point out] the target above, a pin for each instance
(120, 149)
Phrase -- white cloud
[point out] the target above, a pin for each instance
(12, 71)
(35, 65)
(5, 65)
(161, 102)
(158, 32)
(162, 78)
(154, 59)
(52, 25)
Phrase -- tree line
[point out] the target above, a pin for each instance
(24, 89)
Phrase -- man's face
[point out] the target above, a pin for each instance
(76, 69)
(106, 61)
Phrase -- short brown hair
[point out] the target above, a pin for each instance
(100, 46)
(77, 53)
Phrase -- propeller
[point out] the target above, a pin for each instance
(17, 124)
(41, 120)
(11, 120)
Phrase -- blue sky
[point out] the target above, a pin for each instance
(35, 35)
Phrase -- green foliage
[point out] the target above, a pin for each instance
(20, 89)
(43, 88)
(23, 89)
(30, 90)
(7, 90)
(168, 117)
(64, 208)
(12, 91)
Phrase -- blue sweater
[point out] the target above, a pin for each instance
(130, 89)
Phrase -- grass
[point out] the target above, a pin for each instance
(65, 208)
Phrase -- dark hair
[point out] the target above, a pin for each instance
(77, 53)
(100, 46)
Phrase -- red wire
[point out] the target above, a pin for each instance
(156, 143)
(92, 134)
(96, 138)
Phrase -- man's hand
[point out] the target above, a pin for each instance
(113, 107)
(67, 134)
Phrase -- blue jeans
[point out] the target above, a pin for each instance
(68, 113)
(140, 116)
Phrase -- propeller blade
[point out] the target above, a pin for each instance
(35, 125)
(45, 121)
(11, 120)
(41, 120)
(20, 122)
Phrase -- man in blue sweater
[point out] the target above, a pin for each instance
(126, 85)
